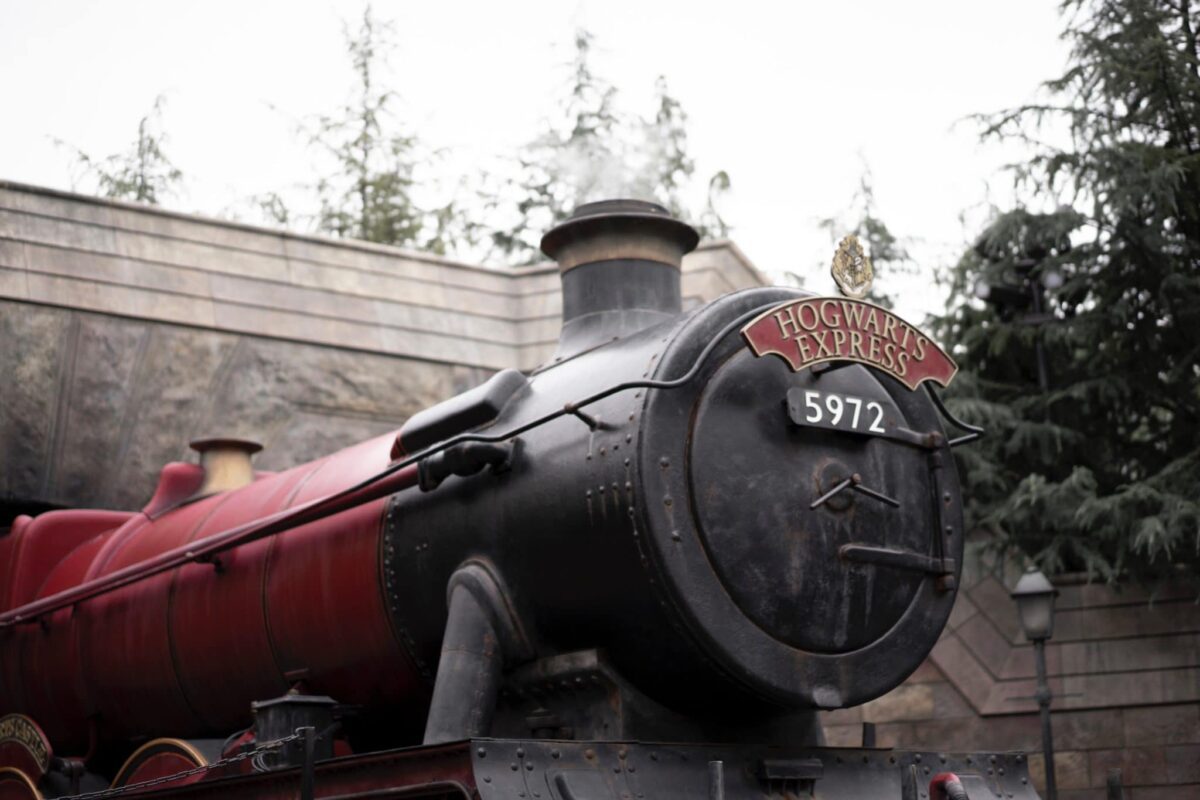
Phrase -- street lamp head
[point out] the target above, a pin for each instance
(1035, 595)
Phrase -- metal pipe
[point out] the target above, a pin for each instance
(307, 777)
(468, 674)
(1043, 701)
(716, 780)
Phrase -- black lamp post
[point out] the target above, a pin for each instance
(1035, 596)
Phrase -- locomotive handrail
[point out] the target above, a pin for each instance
(395, 477)
(973, 432)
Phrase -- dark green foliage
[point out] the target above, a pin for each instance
(1101, 471)
(596, 151)
(143, 173)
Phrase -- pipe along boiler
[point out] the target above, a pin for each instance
(694, 527)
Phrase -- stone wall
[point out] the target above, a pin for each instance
(128, 331)
(1124, 667)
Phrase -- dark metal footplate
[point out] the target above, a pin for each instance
(566, 770)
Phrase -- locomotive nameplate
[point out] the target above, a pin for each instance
(814, 330)
(24, 746)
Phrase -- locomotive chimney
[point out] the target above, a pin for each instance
(226, 463)
(620, 262)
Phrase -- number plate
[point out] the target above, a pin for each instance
(835, 411)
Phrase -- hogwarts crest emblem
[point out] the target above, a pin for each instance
(852, 269)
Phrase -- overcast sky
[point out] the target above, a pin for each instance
(792, 99)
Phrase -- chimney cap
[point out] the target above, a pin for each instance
(619, 217)
(248, 446)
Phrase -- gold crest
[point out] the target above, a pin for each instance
(852, 269)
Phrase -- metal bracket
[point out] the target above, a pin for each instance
(973, 431)
(854, 482)
(901, 559)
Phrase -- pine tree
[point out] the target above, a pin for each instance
(1094, 464)
(143, 173)
(371, 190)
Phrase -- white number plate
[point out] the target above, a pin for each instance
(839, 412)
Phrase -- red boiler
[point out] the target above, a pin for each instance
(189, 649)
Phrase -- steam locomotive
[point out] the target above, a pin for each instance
(638, 571)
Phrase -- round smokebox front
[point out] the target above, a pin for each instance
(808, 522)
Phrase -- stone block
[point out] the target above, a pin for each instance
(1088, 730)
(905, 702)
(843, 735)
(118, 270)
(986, 643)
(1166, 725)
(899, 735)
(992, 598)
(59, 232)
(963, 610)
(36, 343)
(926, 673)
(13, 284)
(1081, 794)
(1071, 770)
(949, 702)
(12, 254)
(1138, 765)
(1183, 763)
(962, 669)
(1189, 792)
(842, 716)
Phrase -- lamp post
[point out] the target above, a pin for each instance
(1034, 595)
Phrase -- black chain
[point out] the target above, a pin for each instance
(262, 749)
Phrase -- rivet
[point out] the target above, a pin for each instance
(664, 462)
(513, 766)
(529, 765)
(1001, 770)
(917, 758)
(633, 768)
(616, 769)
(942, 759)
(654, 756)
(627, 462)
(603, 450)
(675, 536)
(667, 502)
(946, 497)
(621, 755)
(628, 438)
(487, 778)
(589, 753)
(481, 752)
(926, 770)
(992, 759)
(520, 752)
(555, 754)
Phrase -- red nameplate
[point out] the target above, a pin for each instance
(818, 329)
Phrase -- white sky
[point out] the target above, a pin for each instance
(790, 98)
